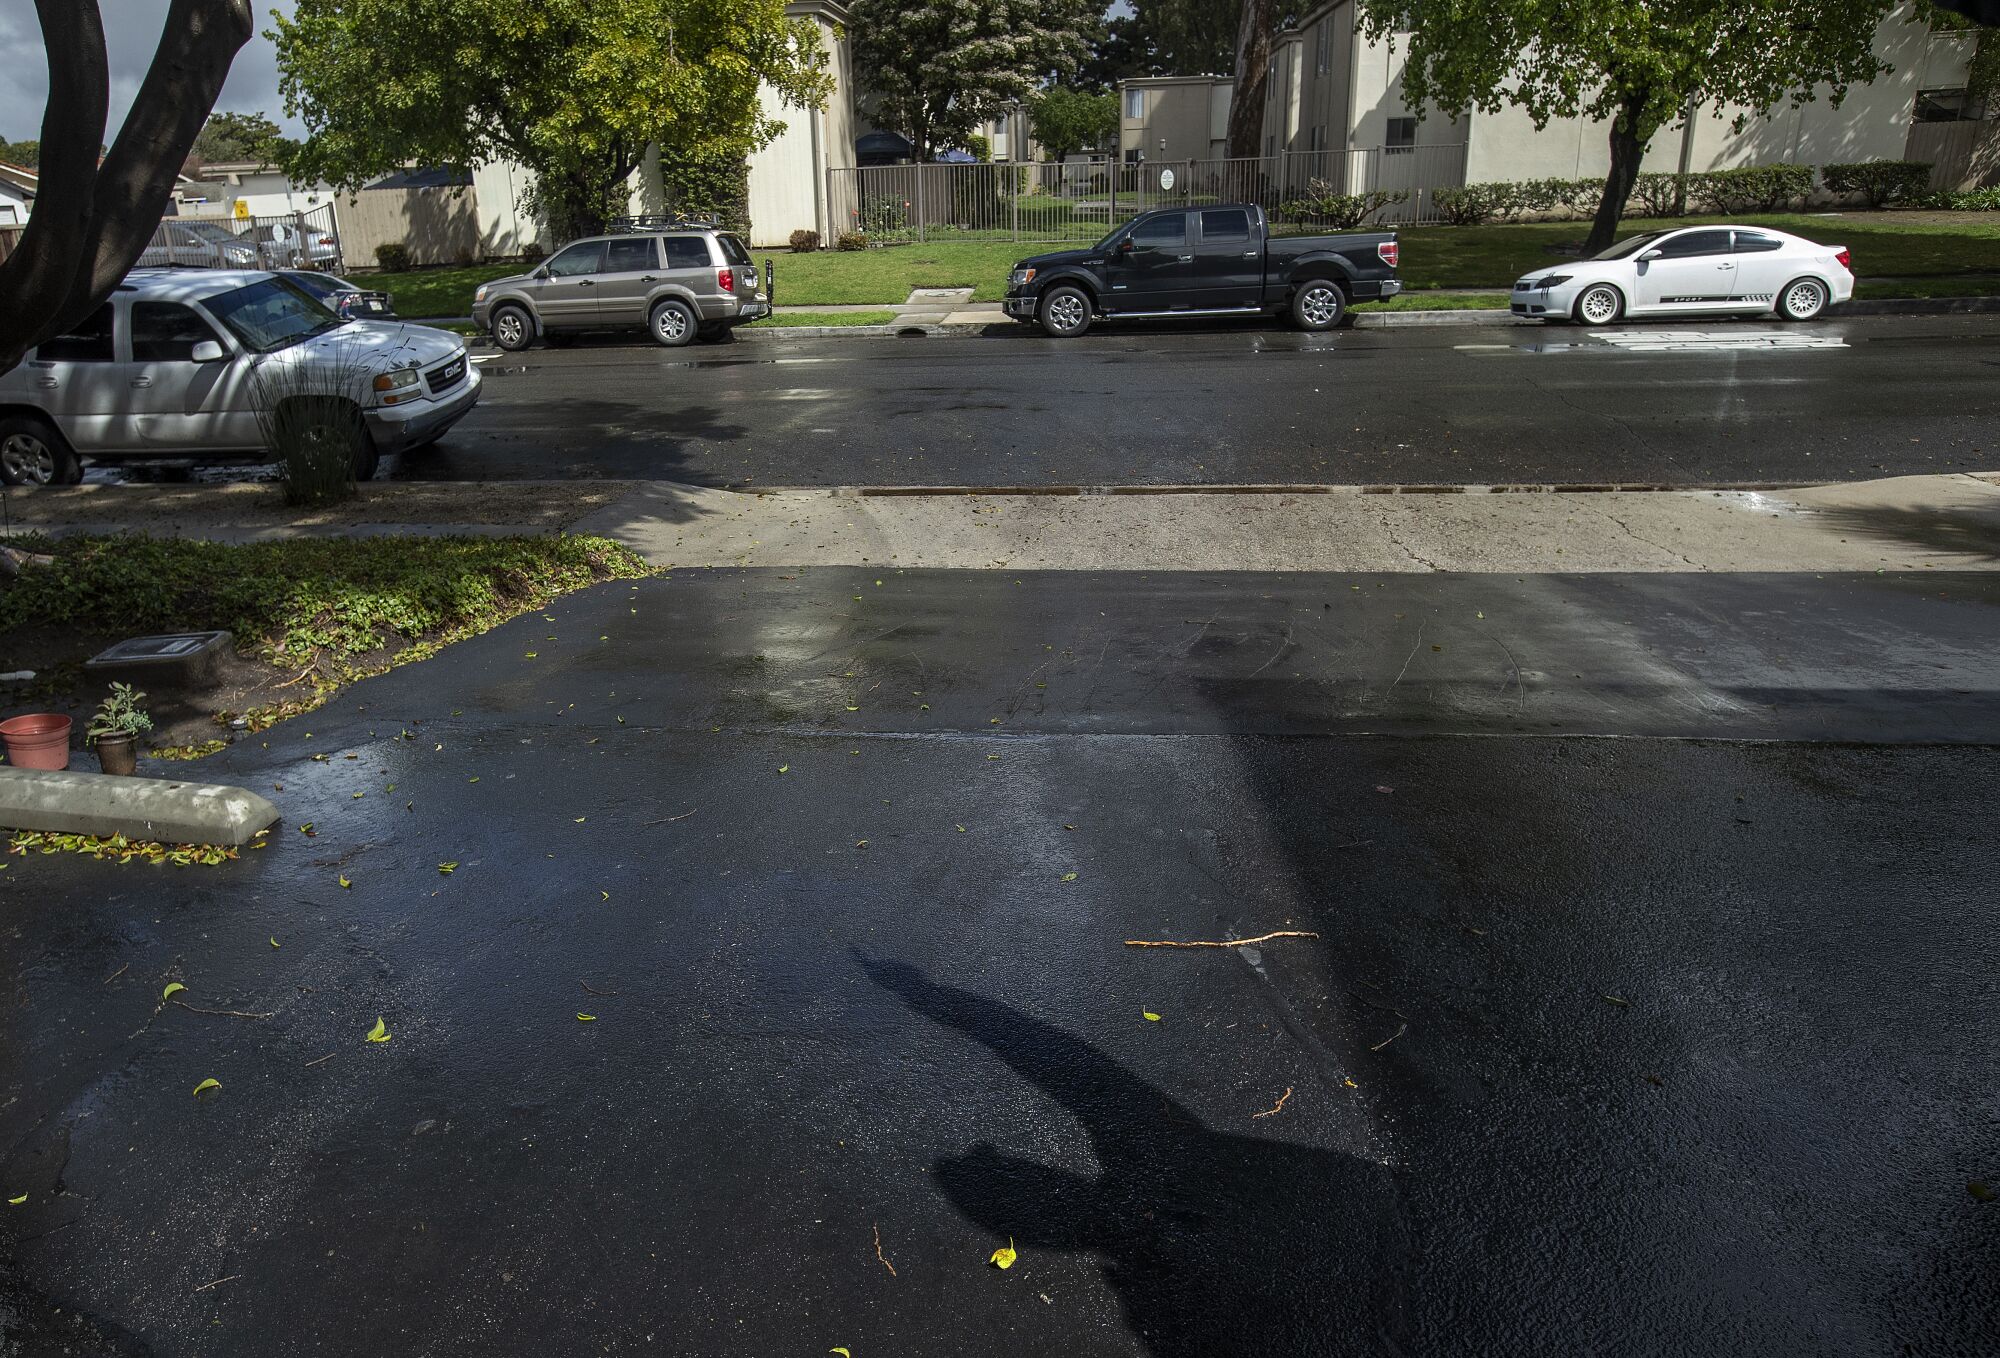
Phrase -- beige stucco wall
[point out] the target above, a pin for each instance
(1181, 110)
(788, 178)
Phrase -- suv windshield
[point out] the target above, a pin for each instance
(1626, 247)
(271, 314)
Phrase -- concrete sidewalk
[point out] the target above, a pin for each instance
(1905, 523)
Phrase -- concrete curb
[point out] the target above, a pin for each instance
(138, 808)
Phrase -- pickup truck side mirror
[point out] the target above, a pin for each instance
(1126, 247)
(207, 351)
(1650, 254)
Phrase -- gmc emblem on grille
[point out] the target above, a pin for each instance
(443, 377)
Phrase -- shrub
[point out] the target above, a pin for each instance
(534, 252)
(1751, 188)
(1881, 182)
(1660, 195)
(851, 240)
(1321, 206)
(804, 240)
(393, 255)
(1473, 203)
(1978, 200)
(884, 215)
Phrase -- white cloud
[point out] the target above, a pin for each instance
(132, 31)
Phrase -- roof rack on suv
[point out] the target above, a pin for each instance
(659, 221)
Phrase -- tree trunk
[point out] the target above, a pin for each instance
(92, 221)
(1628, 148)
(1253, 70)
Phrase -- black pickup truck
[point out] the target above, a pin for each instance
(1204, 261)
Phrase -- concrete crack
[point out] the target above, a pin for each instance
(1405, 547)
(1659, 546)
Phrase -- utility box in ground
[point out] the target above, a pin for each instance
(182, 660)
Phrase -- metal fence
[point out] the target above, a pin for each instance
(1082, 200)
(294, 240)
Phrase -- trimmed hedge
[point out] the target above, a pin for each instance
(1321, 206)
(1881, 182)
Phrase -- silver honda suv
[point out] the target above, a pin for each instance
(677, 282)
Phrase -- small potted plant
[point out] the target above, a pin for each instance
(115, 727)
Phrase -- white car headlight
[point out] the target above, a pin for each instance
(1020, 278)
(397, 386)
(479, 294)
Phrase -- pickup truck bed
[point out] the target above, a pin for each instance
(1204, 261)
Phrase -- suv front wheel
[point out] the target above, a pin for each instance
(32, 453)
(513, 329)
(674, 323)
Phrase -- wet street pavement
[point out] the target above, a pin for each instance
(1649, 1007)
(1692, 403)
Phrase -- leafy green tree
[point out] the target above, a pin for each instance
(1638, 68)
(939, 68)
(575, 90)
(228, 137)
(26, 154)
(1120, 49)
(1066, 121)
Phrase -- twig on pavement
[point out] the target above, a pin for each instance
(668, 820)
(116, 974)
(878, 1251)
(1390, 1038)
(1277, 1107)
(219, 1013)
(218, 1282)
(602, 994)
(328, 1057)
(1224, 943)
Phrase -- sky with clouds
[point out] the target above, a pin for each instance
(132, 30)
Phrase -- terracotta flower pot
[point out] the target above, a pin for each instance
(118, 754)
(39, 740)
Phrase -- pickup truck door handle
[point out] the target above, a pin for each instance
(650, 278)
(142, 381)
(1186, 259)
(1250, 254)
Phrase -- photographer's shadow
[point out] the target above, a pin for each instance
(1217, 1244)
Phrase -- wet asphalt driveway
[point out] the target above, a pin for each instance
(1609, 1041)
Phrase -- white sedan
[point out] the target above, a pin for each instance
(1692, 271)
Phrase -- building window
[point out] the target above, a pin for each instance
(1402, 135)
(1134, 155)
(1946, 106)
(1324, 48)
(1135, 104)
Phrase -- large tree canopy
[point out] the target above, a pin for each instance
(939, 68)
(575, 90)
(92, 218)
(1636, 67)
(238, 137)
(1066, 121)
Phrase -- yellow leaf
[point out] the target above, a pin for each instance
(172, 986)
(605, 894)
(1069, 877)
(784, 768)
(345, 884)
(1349, 1083)
(580, 820)
(446, 869)
(842, 1352)
(586, 1018)
(531, 655)
(207, 1084)
(16, 1202)
(1150, 1016)
(1005, 1256)
(274, 942)
(380, 1032)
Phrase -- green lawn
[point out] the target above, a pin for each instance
(1434, 257)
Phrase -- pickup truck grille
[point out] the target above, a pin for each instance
(446, 375)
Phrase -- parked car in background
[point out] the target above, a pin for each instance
(196, 364)
(1692, 271)
(678, 283)
(345, 298)
(199, 245)
(289, 245)
(1206, 261)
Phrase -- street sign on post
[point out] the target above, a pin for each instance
(242, 209)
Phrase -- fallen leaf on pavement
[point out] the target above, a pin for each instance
(1069, 877)
(172, 986)
(586, 1018)
(1149, 1016)
(345, 884)
(841, 1351)
(1621, 1003)
(274, 942)
(784, 768)
(447, 869)
(380, 1032)
(206, 1085)
(1005, 1256)
(16, 1202)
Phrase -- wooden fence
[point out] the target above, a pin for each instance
(1962, 155)
(439, 225)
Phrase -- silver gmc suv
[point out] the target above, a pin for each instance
(198, 363)
(677, 282)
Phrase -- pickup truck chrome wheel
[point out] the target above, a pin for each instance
(1802, 299)
(1600, 305)
(1065, 313)
(31, 455)
(1318, 305)
(511, 330)
(673, 324)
